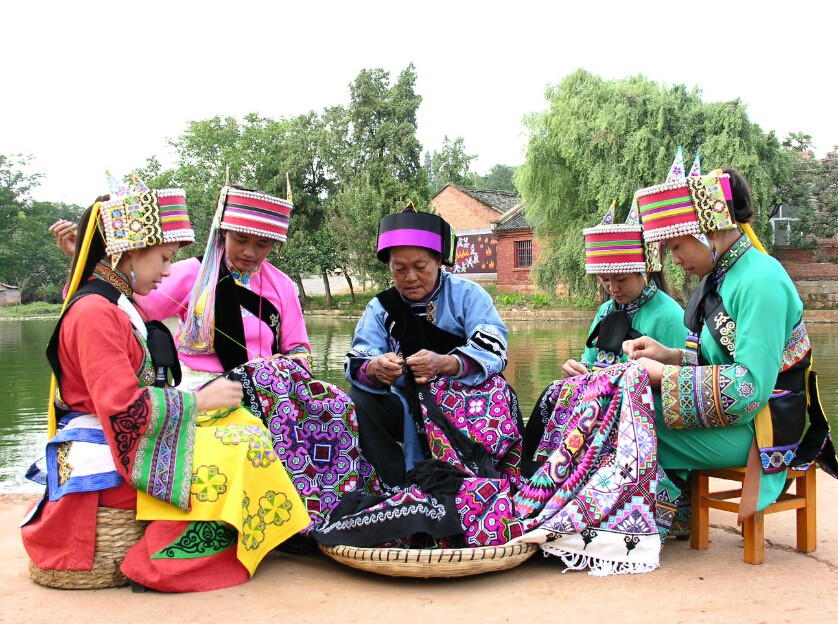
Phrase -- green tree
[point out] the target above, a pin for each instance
(42, 275)
(29, 257)
(428, 166)
(601, 140)
(256, 152)
(499, 178)
(354, 214)
(375, 156)
(451, 164)
(810, 192)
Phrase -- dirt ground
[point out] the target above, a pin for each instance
(691, 586)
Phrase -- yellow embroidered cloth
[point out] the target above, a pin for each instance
(238, 479)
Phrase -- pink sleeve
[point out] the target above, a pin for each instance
(171, 297)
(292, 325)
(365, 379)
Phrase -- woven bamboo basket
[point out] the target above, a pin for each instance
(430, 563)
(116, 531)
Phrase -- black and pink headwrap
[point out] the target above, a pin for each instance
(416, 229)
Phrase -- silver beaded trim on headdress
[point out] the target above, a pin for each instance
(178, 236)
(659, 188)
(604, 227)
(671, 231)
(249, 230)
(616, 267)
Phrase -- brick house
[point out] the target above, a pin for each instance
(517, 251)
(471, 213)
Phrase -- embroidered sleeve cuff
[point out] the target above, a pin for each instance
(688, 358)
(365, 379)
(670, 400)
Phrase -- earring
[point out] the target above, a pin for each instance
(713, 251)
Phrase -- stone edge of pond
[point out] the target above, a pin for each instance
(810, 316)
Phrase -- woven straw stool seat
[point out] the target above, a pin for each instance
(116, 531)
(428, 563)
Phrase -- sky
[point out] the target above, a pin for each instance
(95, 85)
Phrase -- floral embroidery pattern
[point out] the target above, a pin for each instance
(746, 390)
(208, 484)
(274, 508)
(260, 447)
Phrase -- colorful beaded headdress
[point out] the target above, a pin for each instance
(682, 205)
(139, 217)
(619, 248)
(254, 212)
(416, 229)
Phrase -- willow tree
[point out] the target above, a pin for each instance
(601, 140)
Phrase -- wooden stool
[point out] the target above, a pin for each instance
(753, 528)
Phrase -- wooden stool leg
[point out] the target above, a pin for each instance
(807, 528)
(755, 539)
(700, 513)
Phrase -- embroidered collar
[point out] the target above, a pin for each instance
(649, 291)
(730, 257)
(114, 277)
(241, 278)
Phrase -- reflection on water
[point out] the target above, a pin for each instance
(536, 353)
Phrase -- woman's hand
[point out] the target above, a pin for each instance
(218, 394)
(655, 370)
(386, 368)
(426, 364)
(571, 368)
(65, 236)
(645, 347)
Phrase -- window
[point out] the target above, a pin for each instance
(523, 254)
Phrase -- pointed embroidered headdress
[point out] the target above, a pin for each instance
(618, 247)
(695, 204)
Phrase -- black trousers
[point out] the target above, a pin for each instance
(381, 433)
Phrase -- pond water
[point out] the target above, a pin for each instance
(537, 351)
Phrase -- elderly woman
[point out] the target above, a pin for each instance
(736, 394)
(431, 328)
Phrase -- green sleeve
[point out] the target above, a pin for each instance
(724, 392)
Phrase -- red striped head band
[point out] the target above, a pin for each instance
(254, 212)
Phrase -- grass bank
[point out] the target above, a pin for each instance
(30, 310)
(505, 303)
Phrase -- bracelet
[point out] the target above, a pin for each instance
(459, 365)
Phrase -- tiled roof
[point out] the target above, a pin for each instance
(515, 219)
(502, 201)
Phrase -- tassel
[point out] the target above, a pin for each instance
(84, 251)
(752, 236)
(598, 567)
(197, 332)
